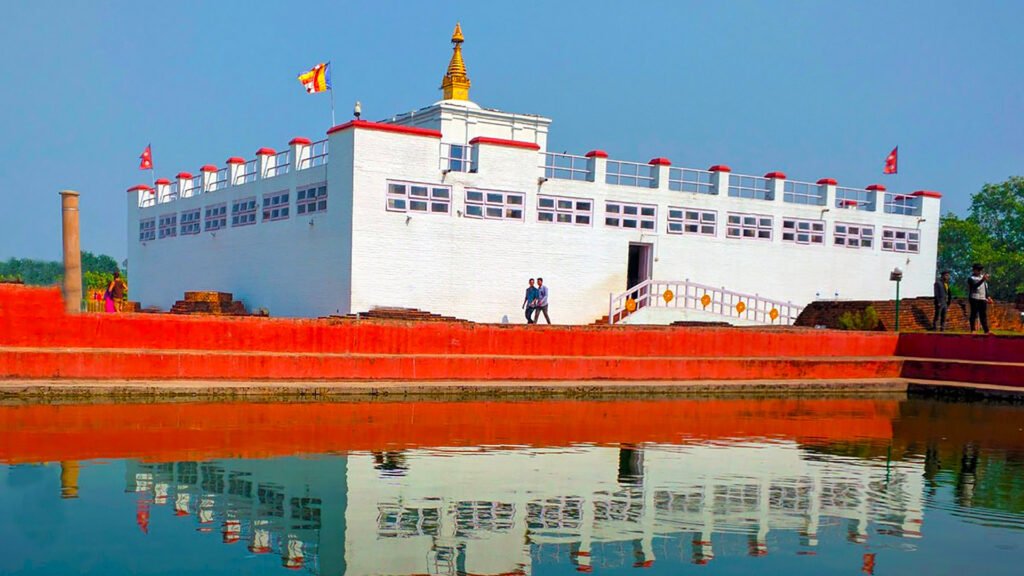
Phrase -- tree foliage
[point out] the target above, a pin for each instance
(865, 320)
(992, 234)
(97, 271)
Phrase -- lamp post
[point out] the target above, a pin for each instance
(895, 276)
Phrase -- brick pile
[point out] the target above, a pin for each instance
(398, 314)
(915, 314)
(212, 303)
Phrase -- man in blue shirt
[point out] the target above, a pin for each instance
(530, 302)
(542, 302)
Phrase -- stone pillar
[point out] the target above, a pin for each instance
(660, 171)
(72, 252)
(236, 167)
(829, 185)
(597, 165)
(720, 179)
(209, 172)
(266, 161)
(300, 148)
(777, 186)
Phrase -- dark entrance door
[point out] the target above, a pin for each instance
(638, 268)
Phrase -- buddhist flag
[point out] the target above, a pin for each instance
(891, 161)
(146, 159)
(318, 79)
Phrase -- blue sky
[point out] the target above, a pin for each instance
(813, 88)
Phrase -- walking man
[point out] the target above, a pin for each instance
(530, 301)
(942, 299)
(542, 302)
(977, 289)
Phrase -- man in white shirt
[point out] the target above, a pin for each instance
(542, 302)
(978, 298)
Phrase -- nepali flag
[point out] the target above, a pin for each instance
(891, 161)
(146, 159)
(318, 79)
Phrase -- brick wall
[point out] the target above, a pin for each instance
(915, 314)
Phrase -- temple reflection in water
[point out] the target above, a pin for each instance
(500, 511)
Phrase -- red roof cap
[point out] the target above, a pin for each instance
(876, 188)
(776, 175)
(367, 125)
(660, 162)
(160, 181)
(300, 140)
(831, 181)
(236, 160)
(504, 142)
(184, 175)
(209, 168)
(266, 152)
(597, 154)
(719, 168)
(927, 194)
(141, 187)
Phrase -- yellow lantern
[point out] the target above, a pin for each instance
(740, 307)
(630, 304)
(774, 314)
(705, 300)
(668, 296)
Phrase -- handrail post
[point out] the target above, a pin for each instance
(611, 306)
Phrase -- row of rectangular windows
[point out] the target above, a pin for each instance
(276, 206)
(413, 197)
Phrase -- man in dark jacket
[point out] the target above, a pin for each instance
(943, 297)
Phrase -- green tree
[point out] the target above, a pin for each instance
(992, 235)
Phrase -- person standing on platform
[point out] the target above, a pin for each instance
(977, 290)
(117, 289)
(530, 301)
(542, 302)
(943, 297)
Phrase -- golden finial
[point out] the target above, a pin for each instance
(456, 84)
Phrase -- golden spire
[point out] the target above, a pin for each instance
(455, 83)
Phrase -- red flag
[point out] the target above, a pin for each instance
(147, 159)
(891, 161)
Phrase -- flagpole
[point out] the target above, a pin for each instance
(152, 166)
(333, 123)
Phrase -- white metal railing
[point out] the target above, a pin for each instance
(855, 199)
(456, 158)
(566, 167)
(629, 174)
(904, 204)
(250, 172)
(693, 296)
(690, 180)
(171, 195)
(317, 155)
(193, 186)
(220, 180)
(751, 187)
(282, 164)
(795, 192)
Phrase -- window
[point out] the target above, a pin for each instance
(409, 197)
(687, 180)
(147, 229)
(623, 215)
(901, 240)
(563, 210)
(190, 222)
(168, 226)
(216, 217)
(691, 221)
(243, 212)
(753, 226)
(803, 193)
(275, 206)
(749, 187)
(494, 205)
(854, 235)
(803, 231)
(311, 200)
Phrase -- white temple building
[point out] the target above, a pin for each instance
(451, 209)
